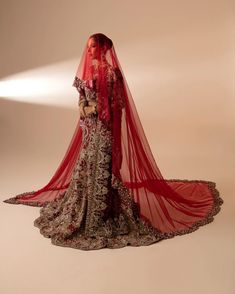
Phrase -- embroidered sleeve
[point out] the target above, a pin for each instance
(80, 88)
(119, 88)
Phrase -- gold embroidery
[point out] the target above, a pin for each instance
(96, 210)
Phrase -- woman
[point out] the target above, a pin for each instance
(108, 190)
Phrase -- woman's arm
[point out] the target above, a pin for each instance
(118, 90)
(82, 102)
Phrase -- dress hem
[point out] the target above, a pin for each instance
(105, 242)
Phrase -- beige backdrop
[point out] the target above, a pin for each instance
(178, 59)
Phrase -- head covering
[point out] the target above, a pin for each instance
(94, 71)
(172, 206)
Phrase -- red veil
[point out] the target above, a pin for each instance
(172, 206)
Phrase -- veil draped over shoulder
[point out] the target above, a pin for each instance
(172, 206)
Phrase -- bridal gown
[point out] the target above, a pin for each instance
(97, 210)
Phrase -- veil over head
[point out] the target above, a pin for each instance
(172, 206)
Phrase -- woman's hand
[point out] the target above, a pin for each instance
(82, 111)
(90, 109)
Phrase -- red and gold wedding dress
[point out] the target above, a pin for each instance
(108, 190)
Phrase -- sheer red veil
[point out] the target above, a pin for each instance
(172, 206)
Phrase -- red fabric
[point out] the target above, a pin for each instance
(172, 206)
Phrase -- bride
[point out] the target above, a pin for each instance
(108, 190)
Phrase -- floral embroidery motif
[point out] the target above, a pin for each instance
(97, 210)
